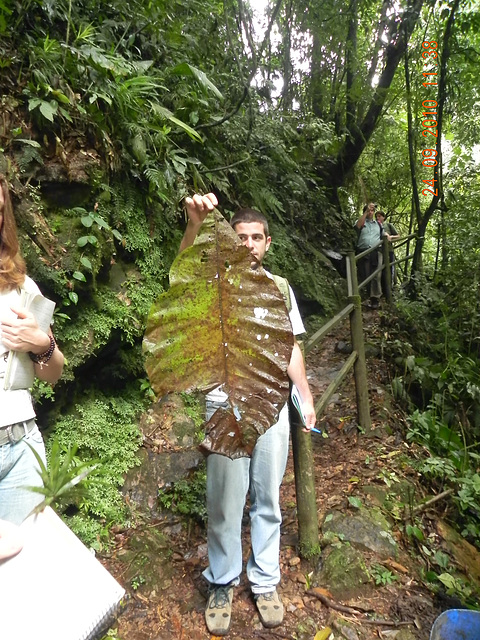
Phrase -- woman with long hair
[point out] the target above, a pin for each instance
(19, 331)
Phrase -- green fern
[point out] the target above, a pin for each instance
(62, 477)
(269, 203)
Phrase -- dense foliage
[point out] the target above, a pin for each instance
(112, 112)
(110, 116)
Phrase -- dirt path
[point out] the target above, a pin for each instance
(344, 462)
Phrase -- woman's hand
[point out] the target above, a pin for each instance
(11, 541)
(23, 333)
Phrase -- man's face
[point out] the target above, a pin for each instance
(370, 210)
(252, 235)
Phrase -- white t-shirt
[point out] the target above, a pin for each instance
(217, 395)
(15, 406)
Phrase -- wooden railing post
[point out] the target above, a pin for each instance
(308, 530)
(387, 270)
(304, 468)
(358, 344)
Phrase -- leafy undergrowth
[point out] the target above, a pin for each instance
(399, 598)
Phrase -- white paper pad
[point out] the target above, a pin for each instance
(55, 588)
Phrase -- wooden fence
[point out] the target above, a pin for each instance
(301, 442)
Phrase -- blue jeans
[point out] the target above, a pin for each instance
(228, 482)
(18, 469)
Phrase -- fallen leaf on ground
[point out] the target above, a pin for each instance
(323, 634)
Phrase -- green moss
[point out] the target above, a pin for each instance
(187, 496)
(104, 428)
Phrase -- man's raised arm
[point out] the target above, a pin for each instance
(360, 223)
(198, 207)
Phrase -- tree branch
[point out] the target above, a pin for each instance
(246, 88)
(428, 503)
(351, 67)
(356, 143)
(225, 167)
(353, 611)
(247, 25)
(378, 42)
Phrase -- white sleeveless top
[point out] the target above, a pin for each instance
(15, 406)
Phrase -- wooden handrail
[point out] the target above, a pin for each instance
(301, 442)
(399, 242)
(400, 260)
(327, 327)
(322, 404)
(367, 251)
(370, 277)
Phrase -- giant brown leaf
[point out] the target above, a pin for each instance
(222, 323)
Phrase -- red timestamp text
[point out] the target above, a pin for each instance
(429, 156)
(430, 55)
(429, 122)
(429, 114)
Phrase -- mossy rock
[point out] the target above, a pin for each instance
(368, 530)
(148, 560)
(343, 572)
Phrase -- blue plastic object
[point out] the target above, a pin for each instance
(457, 624)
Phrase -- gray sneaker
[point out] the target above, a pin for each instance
(270, 609)
(218, 611)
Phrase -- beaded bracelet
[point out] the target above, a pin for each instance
(43, 358)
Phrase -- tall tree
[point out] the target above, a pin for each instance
(437, 171)
(358, 131)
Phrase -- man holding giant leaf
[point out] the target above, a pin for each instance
(252, 354)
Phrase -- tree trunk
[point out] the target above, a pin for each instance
(351, 64)
(287, 60)
(357, 141)
(412, 147)
(316, 77)
(441, 98)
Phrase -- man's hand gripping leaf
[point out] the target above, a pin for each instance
(222, 323)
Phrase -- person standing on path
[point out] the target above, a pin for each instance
(369, 234)
(19, 332)
(229, 481)
(392, 234)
